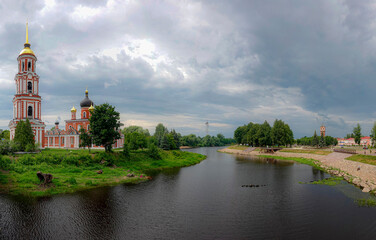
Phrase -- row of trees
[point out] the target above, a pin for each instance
(208, 141)
(317, 141)
(256, 134)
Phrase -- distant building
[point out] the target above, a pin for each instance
(322, 130)
(364, 141)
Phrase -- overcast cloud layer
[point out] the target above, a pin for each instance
(183, 63)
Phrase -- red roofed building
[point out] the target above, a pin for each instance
(351, 141)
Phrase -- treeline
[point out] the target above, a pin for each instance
(255, 134)
(317, 141)
(208, 141)
(136, 137)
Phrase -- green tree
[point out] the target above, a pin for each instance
(373, 134)
(263, 134)
(160, 132)
(4, 134)
(357, 133)
(138, 129)
(24, 135)
(126, 151)
(315, 140)
(136, 140)
(85, 139)
(322, 141)
(104, 126)
(177, 138)
(239, 134)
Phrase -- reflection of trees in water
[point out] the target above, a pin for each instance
(319, 174)
(259, 160)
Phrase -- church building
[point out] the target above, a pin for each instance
(27, 105)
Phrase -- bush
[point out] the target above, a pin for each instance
(72, 181)
(26, 160)
(5, 147)
(30, 147)
(154, 152)
(107, 159)
(71, 160)
(18, 168)
(126, 151)
(5, 162)
(85, 160)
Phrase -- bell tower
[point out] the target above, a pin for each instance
(322, 130)
(26, 101)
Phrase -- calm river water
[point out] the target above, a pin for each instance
(205, 201)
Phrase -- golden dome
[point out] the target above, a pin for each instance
(27, 50)
(91, 108)
(73, 109)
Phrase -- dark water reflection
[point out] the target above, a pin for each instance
(205, 201)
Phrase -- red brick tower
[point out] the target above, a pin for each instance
(322, 130)
(26, 101)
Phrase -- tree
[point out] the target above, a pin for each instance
(160, 132)
(373, 134)
(322, 141)
(263, 134)
(315, 140)
(239, 133)
(126, 151)
(136, 140)
(24, 136)
(85, 139)
(138, 129)
(357, 133)
(4, 134)
(104, 126)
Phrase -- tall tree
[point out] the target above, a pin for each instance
(315, 140)
(357, 133)
(85, 139)
(24, 135)
(239, 134)
(138, 129)
(373, 134)
(160, 131)
(104, 126)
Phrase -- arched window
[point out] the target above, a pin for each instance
(88, 127)
(30, 111)
(23, 66)
(29, 66)
(84, 114)
(29, 87)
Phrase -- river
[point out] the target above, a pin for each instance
(204, 201)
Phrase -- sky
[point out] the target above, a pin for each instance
(182, 63)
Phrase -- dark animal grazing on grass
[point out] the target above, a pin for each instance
(45, 178)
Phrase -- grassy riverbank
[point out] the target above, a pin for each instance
(76, 170)
(368, 159)
(308, 151)
(308, 161)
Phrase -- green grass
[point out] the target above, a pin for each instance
(368, 159)
(328, 181)
(238, 147)
(308, 151)
(308, 161)
(366, 202)
(76, 170)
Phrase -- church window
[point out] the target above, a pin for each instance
(51, 141)
(62, 141)
(23, 66)
(79, 127)
(29, 87)
(30, 111)
(84, 114)
(29, 66)
(88, 127)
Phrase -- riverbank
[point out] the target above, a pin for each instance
(78, 170)
(339, 164)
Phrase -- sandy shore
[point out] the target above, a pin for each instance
(360, 174)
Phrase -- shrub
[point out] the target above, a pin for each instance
(154, 152)
(30, 147)
(107, 159)
(85, 159)
(71, 160)
(5, 162)
(72, 181)
(18, 168)
(126, 151)
(26, 160)
(89, 183)
(5, 147)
